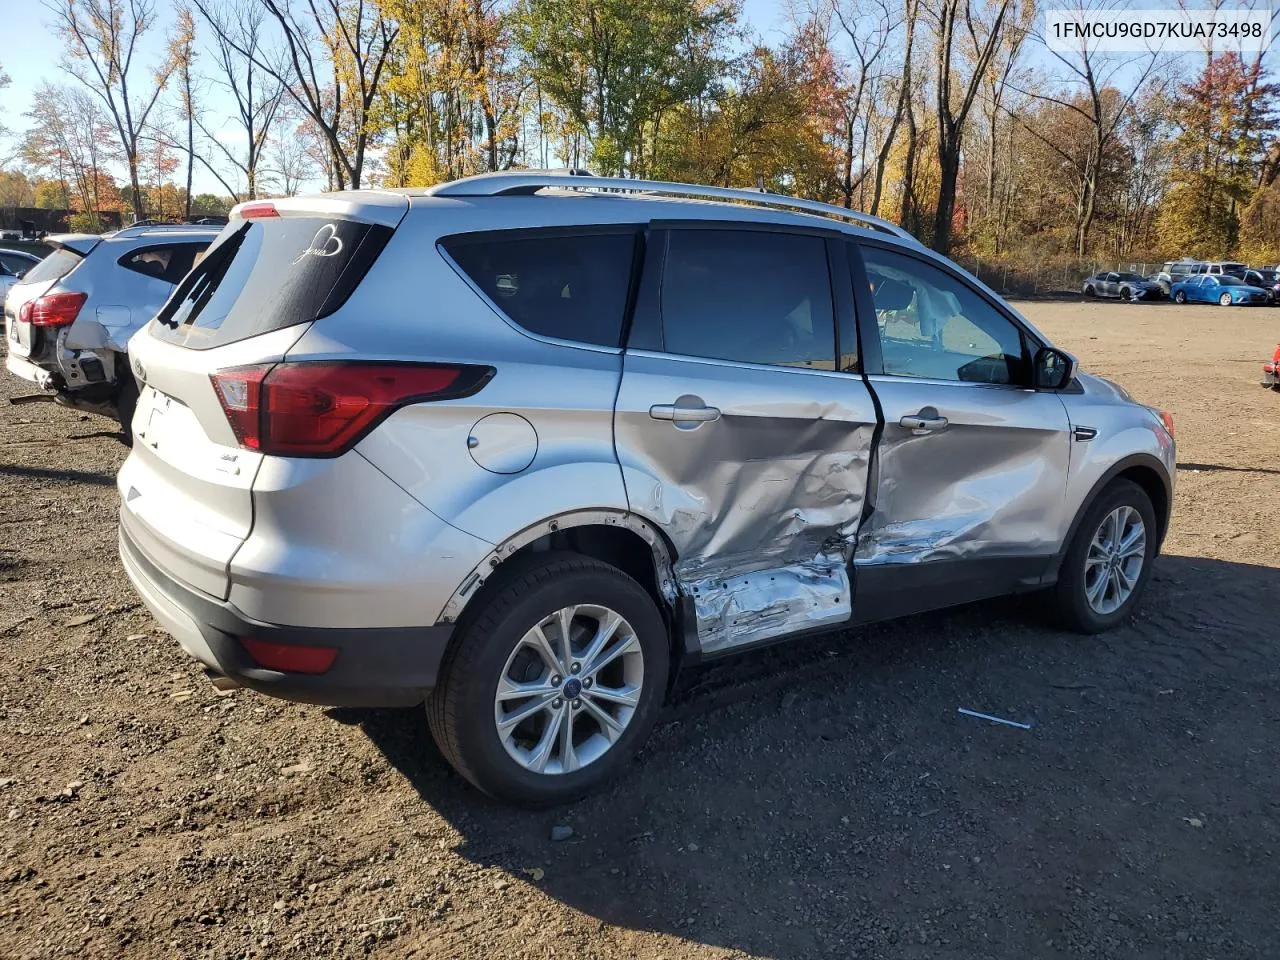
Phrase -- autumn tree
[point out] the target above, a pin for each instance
(70, 140)
(616, 67)
(1225, 120)
(102, 44)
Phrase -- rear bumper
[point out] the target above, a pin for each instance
(27, 370)
(380, 667)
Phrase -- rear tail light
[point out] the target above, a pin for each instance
(53, 309)
(290, 657)
(1275, 357)
(323, 408)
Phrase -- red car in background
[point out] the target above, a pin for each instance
(1271, 371)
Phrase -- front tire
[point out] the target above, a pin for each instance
(1180, 297)
(534, 720)
(1225, 300)
(1089, 291)
(1109, 561)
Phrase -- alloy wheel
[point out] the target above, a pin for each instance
(569, 689)
(1114, 560)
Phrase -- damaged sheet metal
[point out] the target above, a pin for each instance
(762, 503)
(990, 483)
(745, 608)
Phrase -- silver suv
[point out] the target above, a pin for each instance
(70, 316)
(525, 444)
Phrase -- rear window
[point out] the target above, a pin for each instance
(264, 274)
(56, 265)
(572, 286)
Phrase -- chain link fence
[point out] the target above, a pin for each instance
(1061, 276)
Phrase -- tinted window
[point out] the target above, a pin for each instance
(55, 265)
(569, 286)
(932, 325)
(749, 296)
(168, 262)
(14, 265)
(264, 274)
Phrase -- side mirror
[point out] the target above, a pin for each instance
(1053, 369)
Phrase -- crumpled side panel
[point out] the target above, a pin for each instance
(745, 608)
(761, 503)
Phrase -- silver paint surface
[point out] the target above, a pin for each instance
(761, 504)
(991, 483)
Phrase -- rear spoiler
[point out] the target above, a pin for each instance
(79, 243)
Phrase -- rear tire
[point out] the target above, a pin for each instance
(1180, 297)
(1090, 292)
(126, 399)
(472, 706)
(1079, 604)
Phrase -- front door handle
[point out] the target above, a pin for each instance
(687, 411)
(926, 421)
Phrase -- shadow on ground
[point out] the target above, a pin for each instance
(826, 799)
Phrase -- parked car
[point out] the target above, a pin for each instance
(1267, 279)
(13, 265)
(1225, 290)
(1224, 268)
(1126, 286)
(1271, 370)
(525, 454)
(1176, 270)
(70, 317)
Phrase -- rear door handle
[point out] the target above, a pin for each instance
(919, 424)
(686, 410)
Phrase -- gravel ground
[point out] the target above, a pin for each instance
(820, 799)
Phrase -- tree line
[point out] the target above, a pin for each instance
(951, 117)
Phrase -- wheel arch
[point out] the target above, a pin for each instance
(616, 537)
(1149, 474)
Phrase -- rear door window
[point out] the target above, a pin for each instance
(56, 265)
(567, 285)
(751, 296)
(169, 262)
(264, 274)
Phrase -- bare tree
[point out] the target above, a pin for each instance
(1100, 88)
(101, 38)
(955, 94)
(331, 67)
(911, 12)
(255, 93)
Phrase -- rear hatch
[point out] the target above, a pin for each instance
(276, 268)
(69, 251)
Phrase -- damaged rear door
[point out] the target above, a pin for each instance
(742, 426)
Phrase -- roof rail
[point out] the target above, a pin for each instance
(142, 229)
(528, 182)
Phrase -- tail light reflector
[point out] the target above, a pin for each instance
(290, 657)
(1167, 419)
(53, 309)
(322, 408)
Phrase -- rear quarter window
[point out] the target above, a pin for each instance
(264, 274)
(169, 262)
(571, 285)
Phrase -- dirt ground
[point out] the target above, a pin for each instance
(823, 799)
